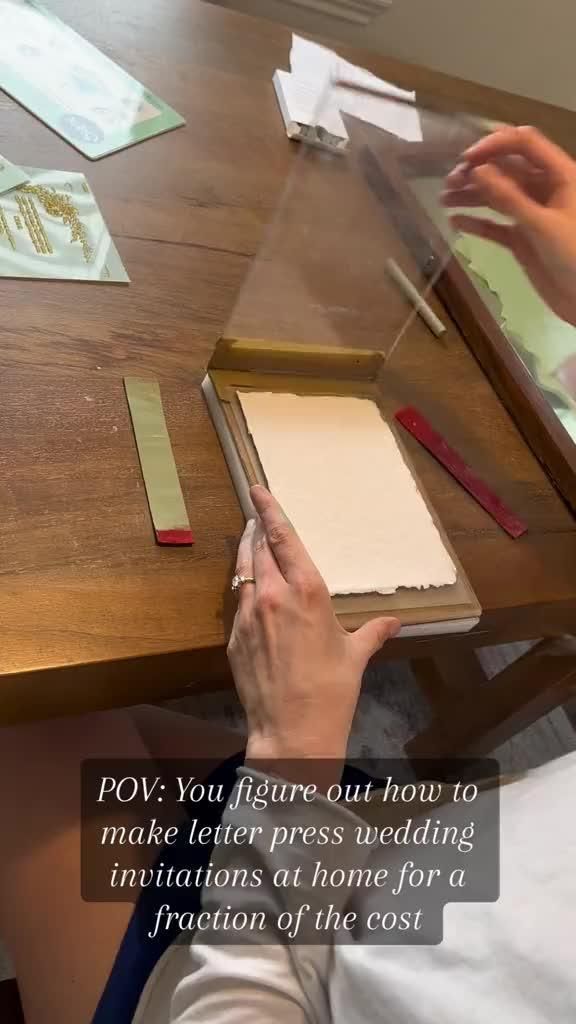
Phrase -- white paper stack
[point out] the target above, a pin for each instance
(336, 468)
(312, 105)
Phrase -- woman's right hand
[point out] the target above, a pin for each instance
(297, 671)
(520, 173)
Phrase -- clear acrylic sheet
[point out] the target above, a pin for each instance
(321, 279)
(542, 342)
(322, 274)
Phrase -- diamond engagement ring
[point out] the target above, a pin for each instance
(239, 581)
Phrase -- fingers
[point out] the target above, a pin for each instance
(372, 636)
(566, 374)
(527, 142)
(245, 564)
(459, 177)
(516, 167)
(291, 556)
(503, 234)
(266, 571)
(501, 193)
(470, 195)
(462, 190)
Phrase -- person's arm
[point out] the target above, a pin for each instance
(256, 976)
(521, 174)
(298, 674)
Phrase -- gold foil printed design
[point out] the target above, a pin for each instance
(58, 205)
(34, 225)
(5, 230)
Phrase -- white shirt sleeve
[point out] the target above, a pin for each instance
(264, 979)
(500, 961)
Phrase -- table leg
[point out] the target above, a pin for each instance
(476, 719)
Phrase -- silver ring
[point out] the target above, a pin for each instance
(239, 581)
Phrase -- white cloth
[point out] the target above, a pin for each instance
(499, 962)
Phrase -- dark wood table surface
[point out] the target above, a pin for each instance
(92, 612)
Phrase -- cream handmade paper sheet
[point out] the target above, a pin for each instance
(336, 468)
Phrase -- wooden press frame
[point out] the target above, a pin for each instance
(260, 365)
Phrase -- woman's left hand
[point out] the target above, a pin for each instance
(297, 671)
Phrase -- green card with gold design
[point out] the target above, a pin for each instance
(51, 227)
(71, 85)
(10, 175)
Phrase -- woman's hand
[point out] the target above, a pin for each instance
(297, 671)
(520, 173)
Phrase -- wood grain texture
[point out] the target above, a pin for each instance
(92, 612)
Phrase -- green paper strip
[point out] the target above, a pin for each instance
(163, 489)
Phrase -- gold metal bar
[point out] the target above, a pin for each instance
(163, 490)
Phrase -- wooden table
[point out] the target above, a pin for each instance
(94, 614)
